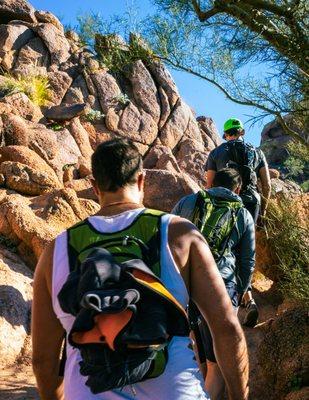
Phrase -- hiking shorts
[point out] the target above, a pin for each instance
(201, 330)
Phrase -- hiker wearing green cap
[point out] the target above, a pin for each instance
(251, 164)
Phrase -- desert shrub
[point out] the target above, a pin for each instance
(116, 55)
(297, 163)
(36, 87)
(288, 238)
(305, 186)
(93, 116)
(122, 99)
(56, 127)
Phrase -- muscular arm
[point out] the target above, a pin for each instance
(47, 332)
(210, 175)
(266, 187)
(202, 277)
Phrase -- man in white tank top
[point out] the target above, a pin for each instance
(186, 266)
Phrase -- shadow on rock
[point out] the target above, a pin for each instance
(14, 308)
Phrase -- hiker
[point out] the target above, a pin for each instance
(252, 164)
(180, 258)
(229, 230)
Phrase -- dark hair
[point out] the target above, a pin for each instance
(115, 164)
(233, 132)
(228, 178)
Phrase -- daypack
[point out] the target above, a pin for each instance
(216, 217)
(243, 156)
(124, 316)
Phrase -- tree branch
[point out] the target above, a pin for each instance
(267, 6)
(246, 102)
(203, 15)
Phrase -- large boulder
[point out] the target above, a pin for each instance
(59, 83)
(23, 106)
(12, 39)
(26, 180)
(274, 141)
(64, 112)
(192, 159)
(284, 353)
(34, 54)
(144, 90)
(163, 189)
(55, 41)
(16, 10)
(209, 132)
(24, 155)
(15, 306)
(33, 222)
(176, 125)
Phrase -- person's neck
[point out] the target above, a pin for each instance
(118, 202)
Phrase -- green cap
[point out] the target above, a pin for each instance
(233, 123)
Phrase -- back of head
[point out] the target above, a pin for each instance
(116, 164)
(228, 178)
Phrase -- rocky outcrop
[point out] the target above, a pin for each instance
(31, 223)
(16, 10)
(15, 305)
(283, 354)
(274, 141)
(45, 152)
(165, 188)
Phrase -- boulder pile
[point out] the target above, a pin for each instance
(57, 103)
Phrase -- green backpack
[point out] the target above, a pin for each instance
(215, 218)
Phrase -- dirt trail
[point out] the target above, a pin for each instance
(268, 302)
(18, 383)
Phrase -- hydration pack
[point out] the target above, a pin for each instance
(243, 157)
(124, 315)
(215, 218)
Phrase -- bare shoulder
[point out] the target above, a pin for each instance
(180, 228)
(182, 234)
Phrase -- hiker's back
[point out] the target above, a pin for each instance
(245, 158)
(179, 381)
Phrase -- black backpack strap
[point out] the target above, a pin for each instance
(226, 242)
(63, 358)
(199, 210)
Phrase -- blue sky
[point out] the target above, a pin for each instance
(200, 95)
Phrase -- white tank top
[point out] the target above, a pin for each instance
(181, 379)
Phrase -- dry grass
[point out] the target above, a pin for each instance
(36, 87)
(288, 237)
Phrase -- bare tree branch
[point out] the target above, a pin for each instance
(245, 102)
(203, 15)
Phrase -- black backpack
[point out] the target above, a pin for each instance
(243, 157)
(115, 293)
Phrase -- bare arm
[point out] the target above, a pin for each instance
(47, 332)
(201, 275)
(210, 175)
(266, 187)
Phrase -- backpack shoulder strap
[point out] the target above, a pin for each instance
(199, 212)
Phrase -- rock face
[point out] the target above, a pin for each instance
(274, 142)
(283, 354)
(15, 304)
